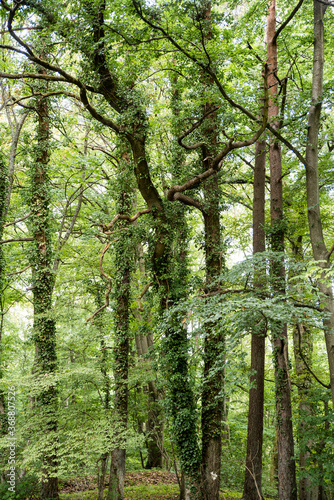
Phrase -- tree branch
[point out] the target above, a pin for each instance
(327, 386)
(107, 227)
(15, 240)
(106, 297)
(288, 19)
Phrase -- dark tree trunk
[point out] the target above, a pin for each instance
(253, 473)
(287, 489)
(43, 283)
(303, 347)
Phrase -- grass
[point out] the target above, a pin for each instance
(143, 492)
(139, 492)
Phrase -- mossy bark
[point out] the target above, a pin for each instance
(44, 329)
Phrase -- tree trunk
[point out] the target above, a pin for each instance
(154, 423)
(213, 371)
(121, 346)
(320, 252)
(43, 283)
(183, 410)
(105, 388)
(212, 405)
(302, 342)
(253, 473)
(3, 194)
(287, 489)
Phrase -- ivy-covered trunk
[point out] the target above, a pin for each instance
(212, 404)
(134, 129)
(44, 330)
(253, 472)
(287, 489)
(213, 370)
(121, 340)
(182, 404)
(3, 194)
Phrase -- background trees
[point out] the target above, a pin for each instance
(153, 114)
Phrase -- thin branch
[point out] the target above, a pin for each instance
(191, 129)
(288, 19)
(15, 240)
(141, 295)
(330, 252)
(106, 303)
(20, 272)
(18, 220)
(216, 163)
(327, 386)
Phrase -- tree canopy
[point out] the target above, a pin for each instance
(166, 246)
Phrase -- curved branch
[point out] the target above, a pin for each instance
(286, 22)
(216, 163)
(327, 386)
(192, 128)
(108, 227)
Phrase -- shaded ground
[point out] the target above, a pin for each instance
(139, 485)
(149, 477)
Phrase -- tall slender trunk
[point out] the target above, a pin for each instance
(287, 489)
(253, 473)
(43, 283)
(154, 423)
(121, 342)
(303, 348)
(106, 392)
(213, 370)
(212, 407)
(302, 341)
(3, 195)
(320, 252)
(6, 180)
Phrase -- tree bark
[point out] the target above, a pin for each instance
(287, 488)
(121, 343)
(320, 252)
(213, 370)
(154, 423)
(253, 473)
(303, 343)
(43, 283)
(213, 380)
(3, 196)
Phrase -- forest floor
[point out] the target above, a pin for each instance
(139, 485)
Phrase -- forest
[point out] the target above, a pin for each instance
(166, 249)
